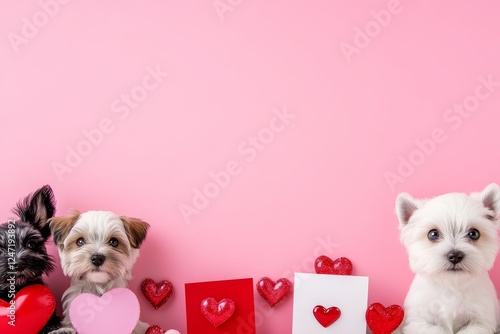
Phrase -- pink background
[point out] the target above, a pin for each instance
(322, 177)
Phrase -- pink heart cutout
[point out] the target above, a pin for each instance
(117, 311)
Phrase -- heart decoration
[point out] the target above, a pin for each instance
(274, 292)
(157, 293)
(217, 312)
(116, 311)
(155, 329)
(34, 305)
(384, 320)
(326, 316)
(325, 265)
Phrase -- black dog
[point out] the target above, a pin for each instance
(22, 247)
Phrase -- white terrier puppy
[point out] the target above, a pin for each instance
(97, 250)
(452, 243)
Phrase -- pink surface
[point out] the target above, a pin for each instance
(253, 136)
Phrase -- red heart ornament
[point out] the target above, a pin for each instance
(274, 292)
(217, 312)
(326, 316)
(384, 320)
(34, 305)
(155, 329)
(157, 293)
(325, 265)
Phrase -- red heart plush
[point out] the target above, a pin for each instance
(217, 312)
(157, 293)
(325, 265)
(274, 292)
(326, 316)
(34, 305)
(384, 320)
(155, 329)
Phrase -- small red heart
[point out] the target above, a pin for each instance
(274, 292)
(217, 312)
(155, 329)
(384, 320)
(157, 293)
(326, 316)
(325, 265)
(34, 305)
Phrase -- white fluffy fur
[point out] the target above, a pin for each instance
(446, 298)
(96, 227)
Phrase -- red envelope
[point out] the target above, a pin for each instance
(240, 291)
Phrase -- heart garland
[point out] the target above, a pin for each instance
(340, 266)
(274, 292)
(157, 293)
(384, 320)
(217, 312)
(326, 316)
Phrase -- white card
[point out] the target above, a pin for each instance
(348, 293)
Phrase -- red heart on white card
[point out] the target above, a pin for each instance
(326, 316)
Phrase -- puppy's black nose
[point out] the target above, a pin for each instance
(455, 256)
(97, 259)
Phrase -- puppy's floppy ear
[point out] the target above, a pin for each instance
(136, 230)
(405, 208)
(490, 197)
(61, 226)
(37, 208)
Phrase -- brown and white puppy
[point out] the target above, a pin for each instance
(97, 250)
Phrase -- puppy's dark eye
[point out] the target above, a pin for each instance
(474, 234)
(433, 235)
(113, 242)
(31, 244)
(80, 242)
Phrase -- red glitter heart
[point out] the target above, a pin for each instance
(217, 312)
(325, 265)
(274, 292)
(157, 293)
(326, 316)
(384, 320)
(155, 329)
